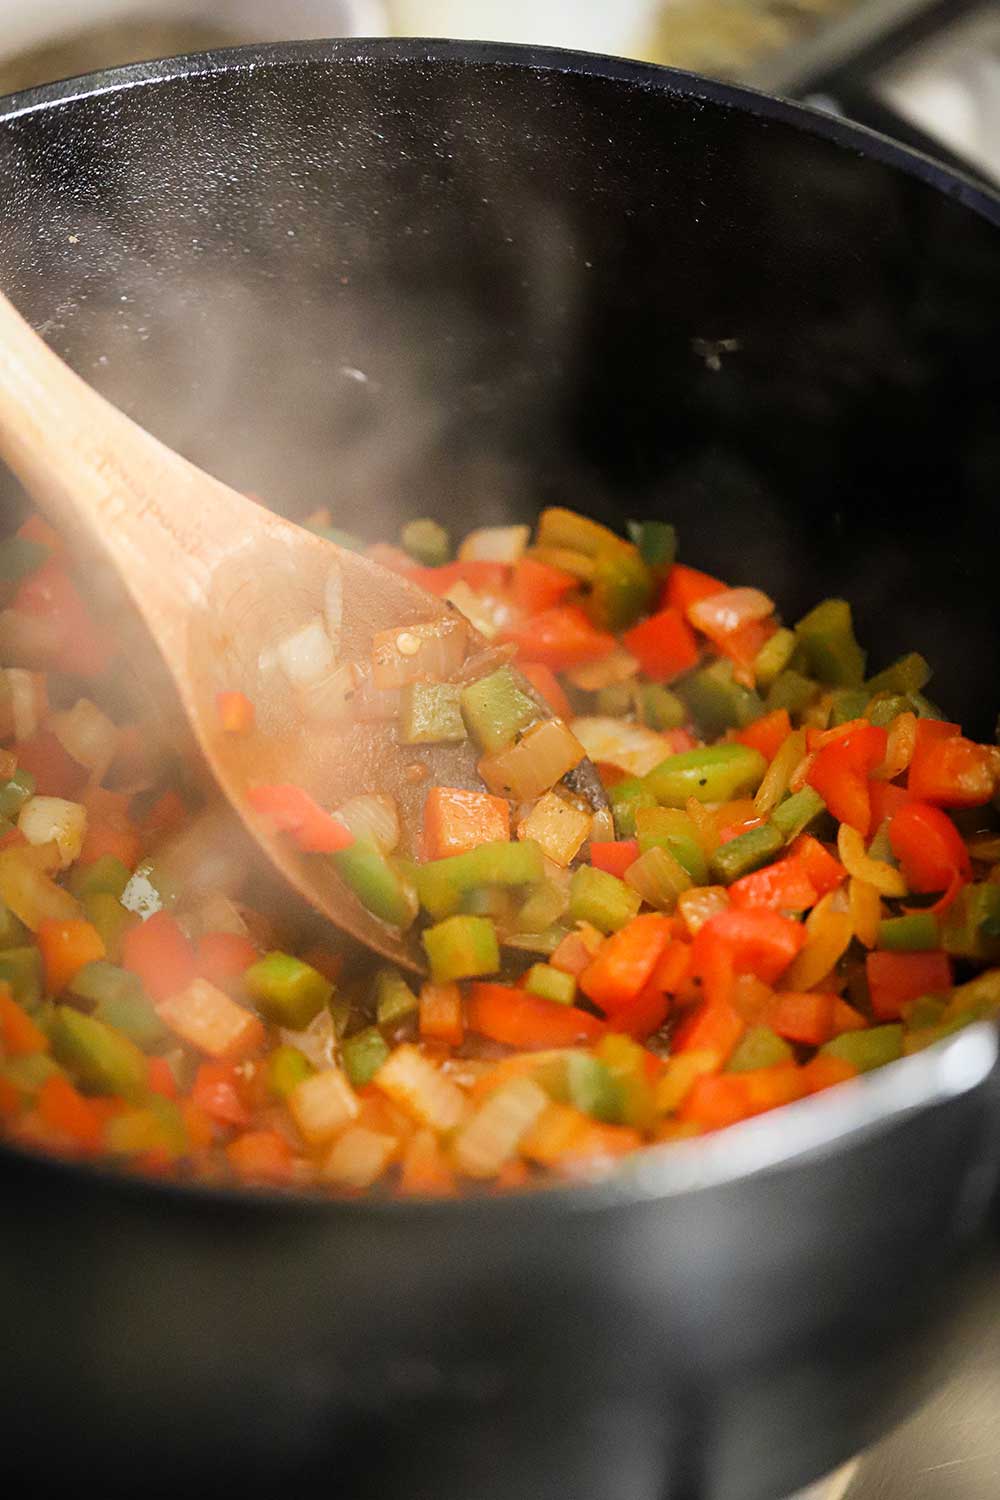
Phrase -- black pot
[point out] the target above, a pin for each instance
(414, 277)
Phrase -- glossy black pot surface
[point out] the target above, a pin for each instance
(406, 278)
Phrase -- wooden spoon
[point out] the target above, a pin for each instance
(219, 581)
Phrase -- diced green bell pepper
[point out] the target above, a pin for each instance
(672, 829)
(286, 991)
(791, 690)
(796, 812)
(117, 998)
(656, 541)
(717, 773)
(621, 588)
(887, 706)
(580, 1079)
(659, 878)
(868, 1049)
(716, 701)
(427, 541)
(918, 932)
(363, 1054)
(617, 700)
(625, 1060)
(430, 713)
(773, 657)
(13, 933)
(377, 883)
(603, 900)
(495, 710)
(745, 853)
(909, 674)
(971, 926)
(847, 704)
(660, 708)
(826, 635)
(461, 948)
(111, 919)
(395, 1002)
(287, 1067)
(106, 874)
(551, 984)
(103, 1061)
(442, 883)
(21, 969)
(626, 797)
(759, 1047)
(15, 793)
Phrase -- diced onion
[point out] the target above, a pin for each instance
(483, 614)
(434, 649)
(494, 1132)
(616, 742)
(331, 697)
(501, 544)
(658, 877)
(47, 820)
(88, 735)
(333, 606)
(359, 1157)
(372, 816)
(851, 848)
(779, 772)
(900, 745)
(722, 613)
(699, 906)
(372, 704)
(317, 1041)
(540, 759)
(558, 827)
(602, 826)
(307, 655)
(218, 913)
(413, 1082)
(618, 666)
(23, 702)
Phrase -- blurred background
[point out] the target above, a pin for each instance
(926, 71)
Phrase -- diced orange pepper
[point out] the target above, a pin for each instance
(713, 1027)
(293, 811)
(456, 820)
(846, 1018)
(441, 1017)
(576, 950)
(718, 1100)
(822, 1072)
(806, 1017)
(65, 948)
(63, 1108)
(896, 978)
(625, 962)
(426, 1171)
(522, 1020)
(217, 1094)
(685, 586)
(56, 773)
(235, 711)
(767, 734)
(18, 1032)
(103, 839)
(260, 1156)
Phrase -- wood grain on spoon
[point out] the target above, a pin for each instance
(219, 581)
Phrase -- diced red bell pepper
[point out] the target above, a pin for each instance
(685, 586)
(823, 1071)
(482, 577)
(673, 968)
(224, 955)
(545, 682)
(713, 1026)
(841, 770)
(664, 645)
(85, 650)
(625, 962)
(949, 770)
(646, 1014)
(560, 638)
(18, 1032)
(743, 645)
(823, 869)
(802, 1017)
(783, 886)
(65, 947)
(614, 855)
(896, 978)
(719, 1100)
(522, 1020)
(535, 586)
(576, 950)
(885, 799)
(767, 734)
(293, 811)
(216, 1091)
(56, 773)
(158, 951)
(930, 850)
(756, 942)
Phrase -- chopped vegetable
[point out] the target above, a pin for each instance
(426, 541)
(461, 947)
(557, 827)
(208, 1020)
(715, 774)
(826, 635)
(377, 883)
(540, 759)
(430, 713)
(287, 991)
(602, 900)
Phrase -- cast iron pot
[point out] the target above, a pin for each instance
(413, 277)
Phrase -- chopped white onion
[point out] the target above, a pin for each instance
(23, 702)
(48, 820)
(618, 666)
(479, 612)
(372, 704)
(501, 544)
(434, 649)
(719, 614)
(616, 742)
(333, 606)
(88, 735)
(331, 697)
(307, 655)
(372, 816)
